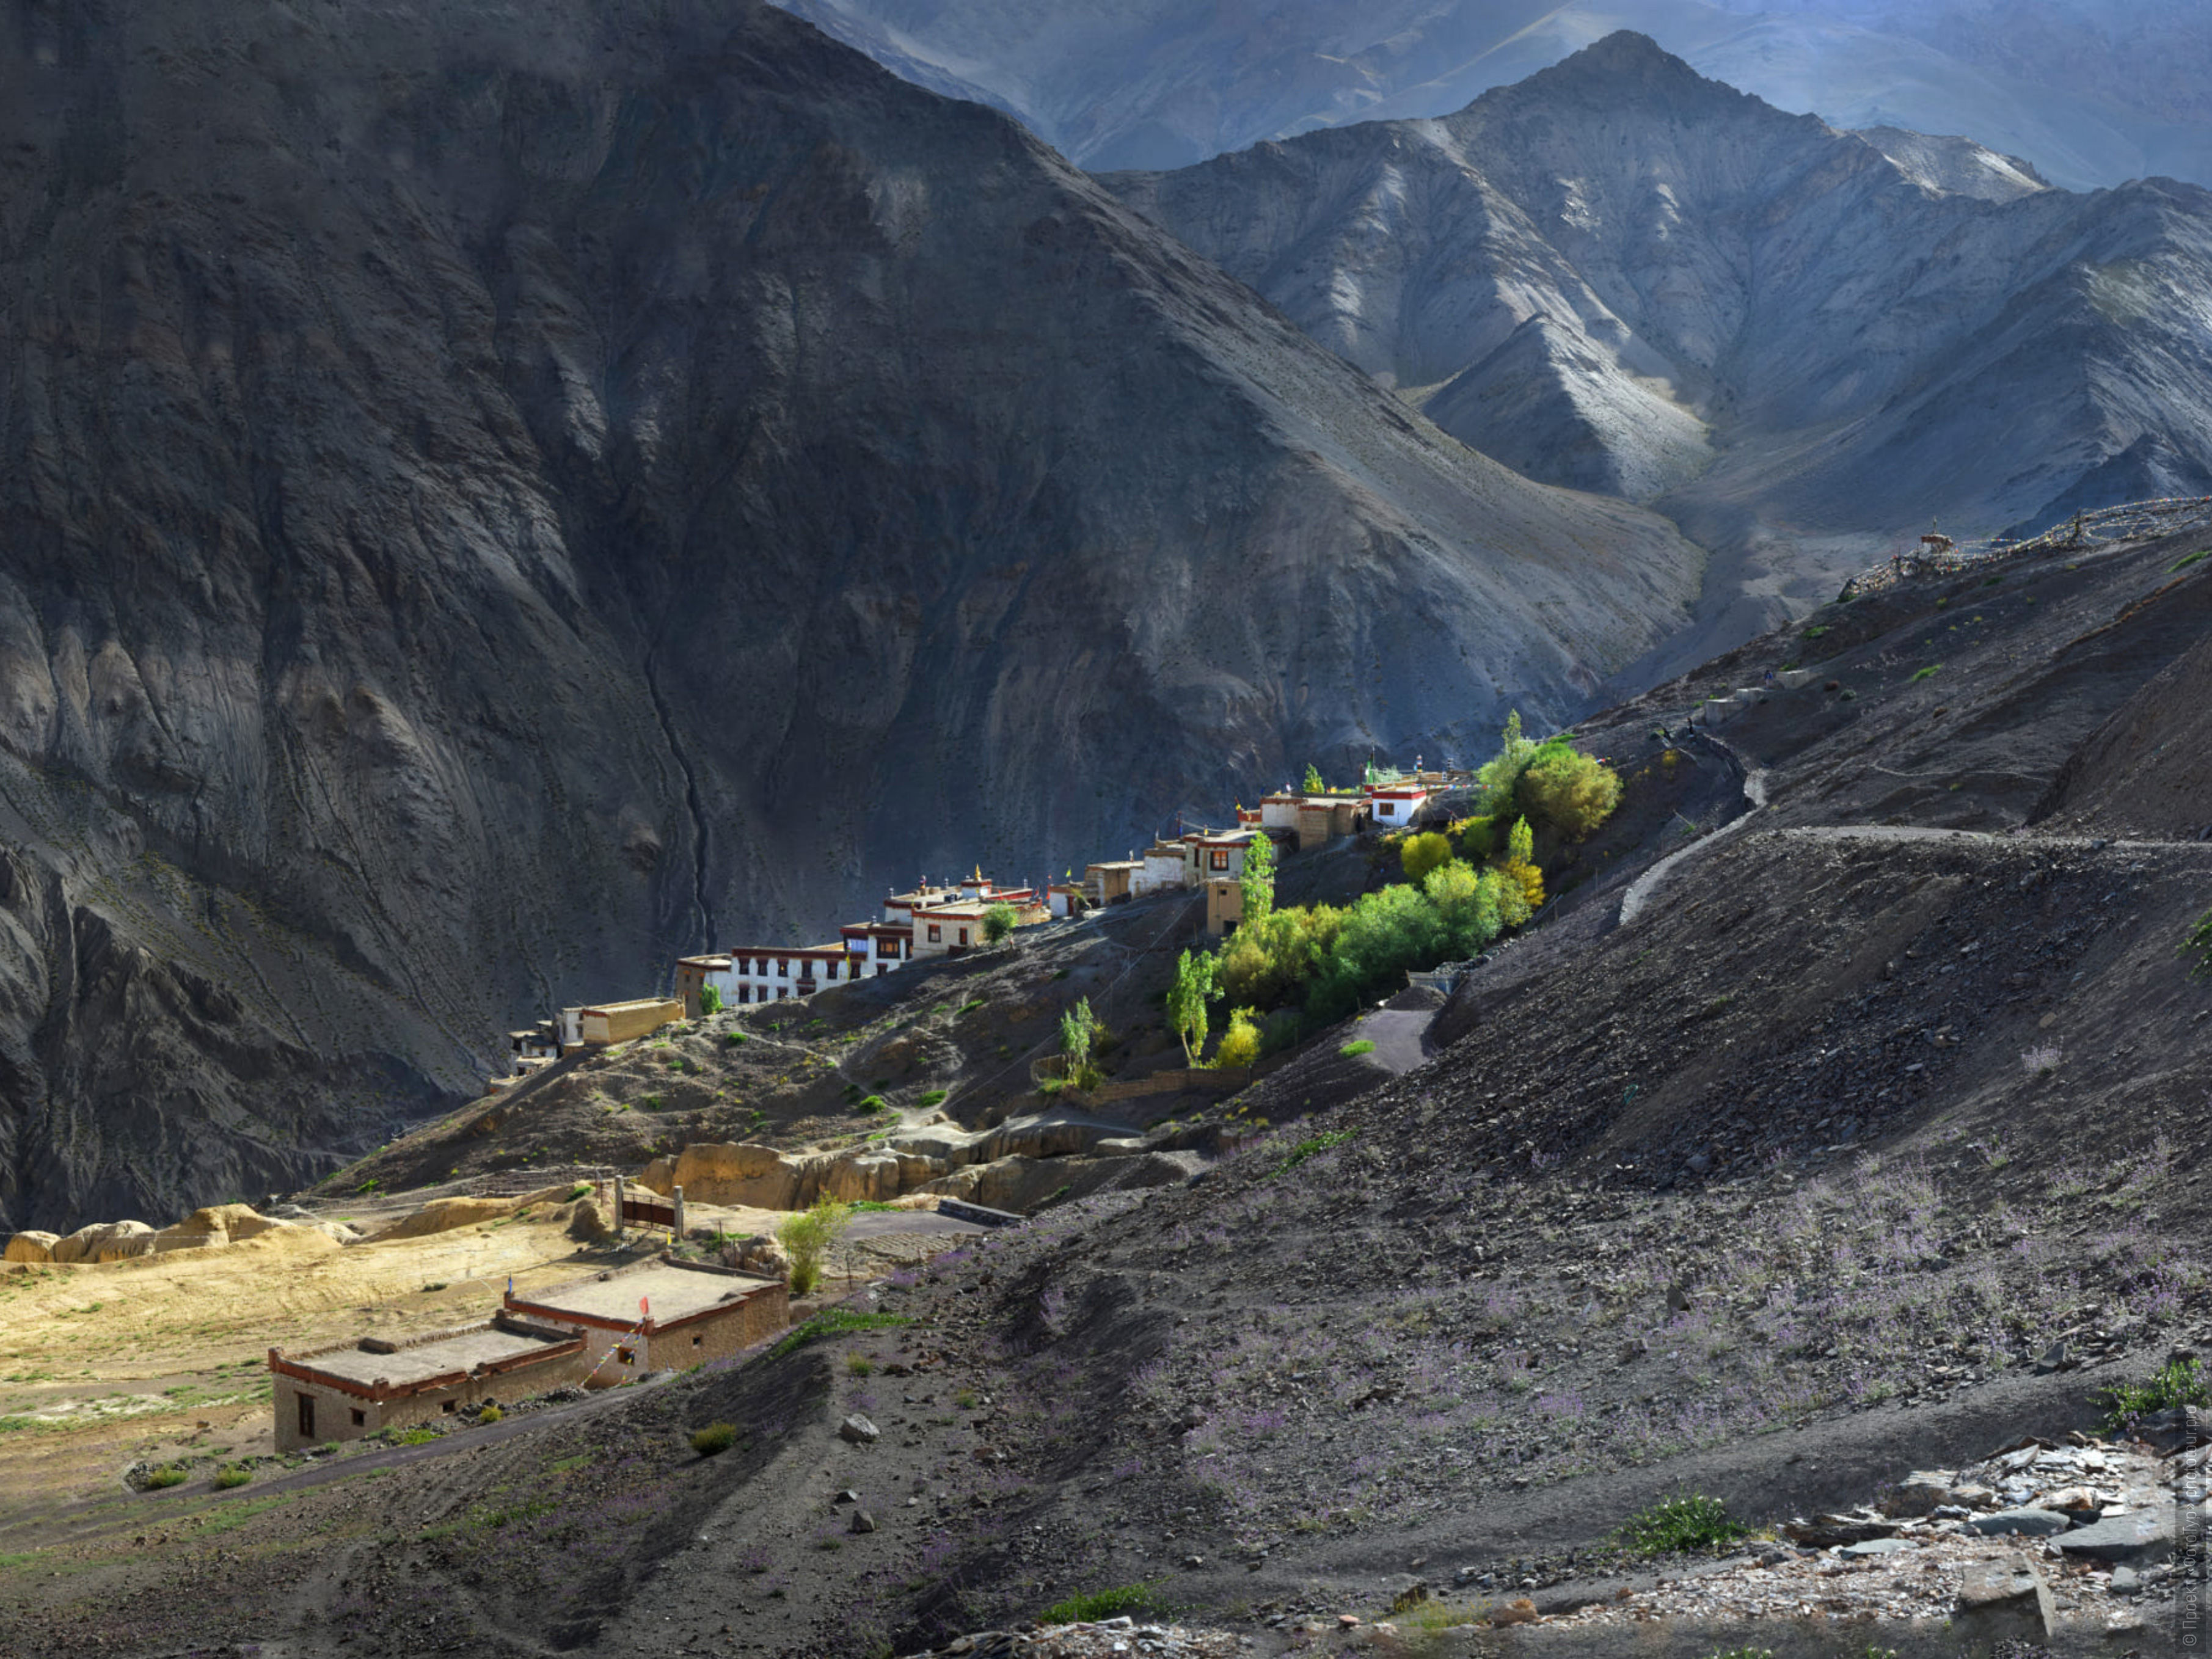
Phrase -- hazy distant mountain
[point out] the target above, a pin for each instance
(1800, 341)
(494, 498)
(2092, 92)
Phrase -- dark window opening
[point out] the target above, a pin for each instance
(307, 1417)
(359, 1419)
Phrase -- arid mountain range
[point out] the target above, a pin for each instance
(1801, 344)
(2093, 92)
(495, 498)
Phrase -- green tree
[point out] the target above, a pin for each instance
(1467, 902)
(1424, 853)
(808, 1237)
(1570, 791)
(1257, 881)
(1383, 934)
(1196, 984)
(1313, 784)
(1500, 777)
(1524, 881)
(998, 921)
(1079, 1032)
(1240, 1043)
(710, 999)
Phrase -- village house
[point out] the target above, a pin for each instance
(877, 947)
(356, 1389)
(1224, 905)
(947, 930)
(1066, 899)
(1324, 818)
(622, 1022)
(1111, 881)
(1165, 867)
(1393, 804)
(660, 1315)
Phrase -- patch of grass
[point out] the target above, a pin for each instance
(488, 1415)
(231, 1477)
(1815, 632)
(2199, 944)
(835, 1321)
(714, 1439)
(231, 1516)
(734, 1039)
(1092, 1605)
(2184, 563)
(968, 1008)
(1352, 1050)
(1682, 1523)
(931, 1097)
(872, 1206)
(965, 1398)
(859, 1364)
(161, 1479)
(872, 1104)
(369, 1186)
(1928, 672)
(1306, 1149)
(2178, 1382)
(417, 1437)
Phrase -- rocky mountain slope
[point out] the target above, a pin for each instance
(494, 502)
(1872, 1143)
(1800, 342)
(2094, 92)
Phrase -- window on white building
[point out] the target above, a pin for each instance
(936, 935)
(783, 967)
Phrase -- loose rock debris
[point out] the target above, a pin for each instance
(1105, 1638)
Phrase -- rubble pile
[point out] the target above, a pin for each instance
(2036, 1539)
(1103, 1638)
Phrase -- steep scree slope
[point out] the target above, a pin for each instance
(497, 497)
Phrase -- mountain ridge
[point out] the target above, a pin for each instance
(496, 504)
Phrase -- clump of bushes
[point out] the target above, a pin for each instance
(931, 1097)
(714, 1439)
(1093, 1605)
(2177, 1383)
(998, 921)
(1680, 1524)
(161, 1479)
(488, 1415)
(809, 1236)
(1240, 1043)
(231, 1476)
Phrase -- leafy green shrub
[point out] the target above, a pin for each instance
(2199, 944)
(808, 1236)
(1306, 1149)
(714, 1439)
(1475, 839)
(489, 1415)
(1313, 784)
(1353, 1050)
(231, 1476)
(734, 1039)
(710, 999)
(998, 921)
(2184, 563)
(1255, 881)
(2177, 1383)
(577, 1191)
(858, 1364)
(161, 1479)
(1928, 672)
(872, 1104)
(1682, 1523)
(968, 1008)
(1080, 1036)
(1240, 1043)
(930, 1097)
(417, 1437)
(1424, 853)
(1569, 791)
(1093, 1605)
